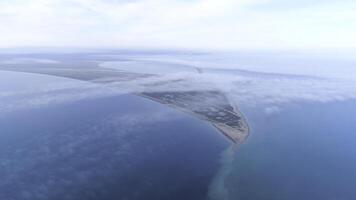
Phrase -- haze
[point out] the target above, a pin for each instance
(196, 24)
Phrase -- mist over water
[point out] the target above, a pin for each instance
(250, 79)
(255, 78)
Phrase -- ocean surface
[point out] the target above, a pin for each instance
(305, 151)
(66, 139)
(119, 147)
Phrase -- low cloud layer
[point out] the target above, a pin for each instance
(244, 84)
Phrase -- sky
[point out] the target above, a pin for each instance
(187, 24)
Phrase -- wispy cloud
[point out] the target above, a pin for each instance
(245, 83)
(183, 24)
(29, 61)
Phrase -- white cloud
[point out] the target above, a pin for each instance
(272, 110)
(273, 80)
(29, 60)
(265, 84)
(21, 91)
(183, 24)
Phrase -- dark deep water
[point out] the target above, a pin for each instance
(306, 151)
(123, 147)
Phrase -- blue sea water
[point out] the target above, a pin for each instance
(121, 147)
(127, 147)
(306, 151)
